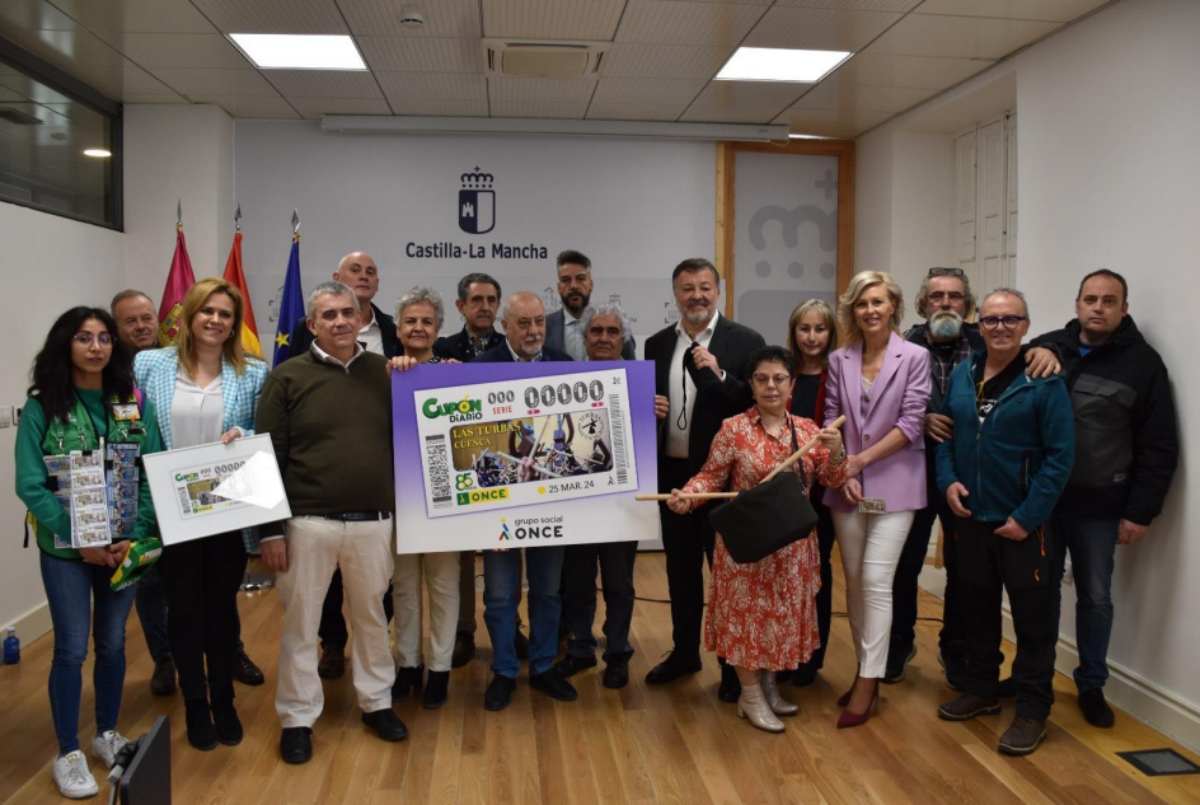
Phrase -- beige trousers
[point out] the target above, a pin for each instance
(441, 572)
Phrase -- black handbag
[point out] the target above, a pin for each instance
(766, 517)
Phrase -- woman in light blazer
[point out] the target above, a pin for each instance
(205, 390)
(881, 383)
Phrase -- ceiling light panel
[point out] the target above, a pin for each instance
(300, 51)
(780, 64)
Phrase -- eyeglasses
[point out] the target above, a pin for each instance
(765, 380)
(992, 322)
(86, 339)
(945, 271)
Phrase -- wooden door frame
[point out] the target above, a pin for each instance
(725, 228)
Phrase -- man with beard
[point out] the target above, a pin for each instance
(564, 327)
(699, 380)
(945, 302)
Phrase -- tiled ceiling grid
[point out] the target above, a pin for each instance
(660, 63)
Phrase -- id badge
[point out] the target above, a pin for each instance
(872, 506)
(126, 412)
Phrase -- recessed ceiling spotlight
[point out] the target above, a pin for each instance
(781, 64)
(299, 51)
(97, 153)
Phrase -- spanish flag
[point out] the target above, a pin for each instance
(179, 280)
(236, 277)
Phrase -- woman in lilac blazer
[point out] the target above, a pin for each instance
(881, 383)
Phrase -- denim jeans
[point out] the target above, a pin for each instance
(502, 594)
(151, 600)
(80, 599)
(1092, 542)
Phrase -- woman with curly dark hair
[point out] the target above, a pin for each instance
(83, 394)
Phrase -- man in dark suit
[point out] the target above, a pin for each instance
(524, 318)
(564, 327)
(700, 365)
(377, 333)
(478, 300)
(377, 330)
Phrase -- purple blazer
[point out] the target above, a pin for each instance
(897, 399)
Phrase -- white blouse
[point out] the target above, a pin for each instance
(197, 413)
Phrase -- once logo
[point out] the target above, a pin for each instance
(477, 203)
(482, 496)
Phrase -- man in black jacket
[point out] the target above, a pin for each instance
(377, 330)
(478, 300)
(1126, 451)
(700, 368)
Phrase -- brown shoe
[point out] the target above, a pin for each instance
(1023, 736)
(967, 706)
(332, 664)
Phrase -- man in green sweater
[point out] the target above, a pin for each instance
(329, 414)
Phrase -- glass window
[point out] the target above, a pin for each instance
(57, 153)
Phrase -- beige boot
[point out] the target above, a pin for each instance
(779, 705)
(753, 705)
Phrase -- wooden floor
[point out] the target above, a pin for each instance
(677, 744)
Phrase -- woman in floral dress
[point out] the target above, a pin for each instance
(761, 616)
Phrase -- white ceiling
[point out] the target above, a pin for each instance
(659, 65)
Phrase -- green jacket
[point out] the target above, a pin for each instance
(37, 438)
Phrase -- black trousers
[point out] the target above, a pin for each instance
(952, 639)
(202, 578)
(826, 537)
(687, 539)
(332, 630)
(987, 564)
(616, 561)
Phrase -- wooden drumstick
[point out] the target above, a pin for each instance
(809, 445)
(690, 496)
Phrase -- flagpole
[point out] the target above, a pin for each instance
(295, 226)
(237, 218)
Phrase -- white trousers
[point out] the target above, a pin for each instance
(441, 572)
(870, 545)
(316, 547)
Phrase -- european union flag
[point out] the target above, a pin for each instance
(291, 307)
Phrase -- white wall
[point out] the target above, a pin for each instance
(51, 264)
(1108, 120)
(176, 153)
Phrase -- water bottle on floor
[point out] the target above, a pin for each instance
(12, 647)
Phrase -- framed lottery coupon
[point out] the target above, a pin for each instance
(515, 455)
(213, 488)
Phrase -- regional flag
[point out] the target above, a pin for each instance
(236, 277)
(179, 280)
(291, 306)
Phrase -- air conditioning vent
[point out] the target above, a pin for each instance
(530, 59)
(19, 118)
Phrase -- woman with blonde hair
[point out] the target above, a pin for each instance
(812, 335)
(881, 384)
(205, 390)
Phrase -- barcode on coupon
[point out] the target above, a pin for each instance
(185, 504)
(616, 418)
(436, 470)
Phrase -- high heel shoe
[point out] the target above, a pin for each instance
(844, 699)
(770, 688)
(753, 705)
(848, 719)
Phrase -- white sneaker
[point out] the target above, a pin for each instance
(73, 777)
(106, 745)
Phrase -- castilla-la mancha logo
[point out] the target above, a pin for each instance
(477, 203)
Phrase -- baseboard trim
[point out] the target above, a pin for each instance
(34, 623)
(1162, 709)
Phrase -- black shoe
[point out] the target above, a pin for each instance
(245, 671)
(1007, 689)
(162, 681)
(554, 685)
(408, 680)
(616, 673)
(332, 664)
(569, 666)
(1022, 737)
(804, 676)
(1095, 710)
(730, 689)
(499, 693)
(436, 685)
(227, 724)
(386, 724)
(522, 644)
(894, 672)
(295, 744)
(200, 730)
(966, 707)
(672, 668)
(464, 650)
